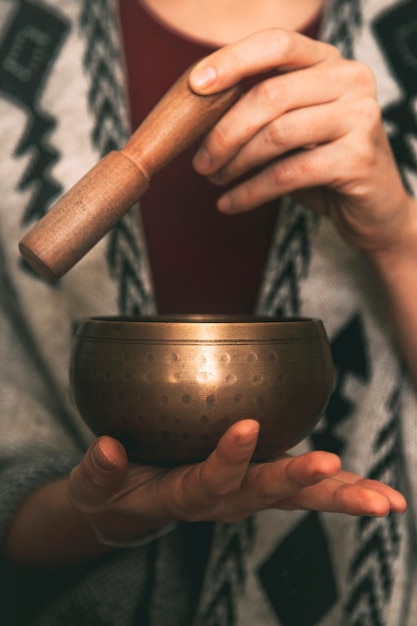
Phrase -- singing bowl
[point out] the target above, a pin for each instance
(168, 388)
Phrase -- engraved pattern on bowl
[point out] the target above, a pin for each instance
(168, 388)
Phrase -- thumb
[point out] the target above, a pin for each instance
(98, 476)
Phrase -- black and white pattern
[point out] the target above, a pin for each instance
(344, 23)
(289, 262)
(372, 569)
(378, 545)
(30, 43)
(227, 576)
(351, 360)
(279, 569)
(298, 577)
(396, 33)
(106, 99)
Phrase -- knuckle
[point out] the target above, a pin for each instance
(280, 43)
(220, 491)
(362, 157)
(362, 76)
(91, 481)
(269, 93)
(370, 112)
(247, 195)
(219, 140)
(342, 494)
(212, 489)
(267, 500)
(365, 161)
(280, 133)
(284, 171)
(357, 181)
(364, 142)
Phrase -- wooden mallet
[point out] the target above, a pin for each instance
(97, 202)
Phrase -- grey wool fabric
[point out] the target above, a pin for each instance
(59, 114)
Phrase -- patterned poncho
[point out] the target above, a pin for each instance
(63, 106)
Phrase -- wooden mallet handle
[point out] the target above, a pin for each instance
(97, 202)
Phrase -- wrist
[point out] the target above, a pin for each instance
(116, 530)
(141, 540)
(401, 249)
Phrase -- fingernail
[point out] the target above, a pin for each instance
(101, 460)
(203, 77)
(202, 161)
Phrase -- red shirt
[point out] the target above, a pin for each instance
(202, 261)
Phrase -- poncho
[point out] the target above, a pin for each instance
(63, 106)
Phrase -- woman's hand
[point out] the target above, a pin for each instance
(127, 500)
(313, 130)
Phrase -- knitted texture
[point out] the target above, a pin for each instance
(60, 113)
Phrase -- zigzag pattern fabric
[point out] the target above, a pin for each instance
(108, 105)
(61, 112)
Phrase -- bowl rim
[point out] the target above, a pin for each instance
(200, 328)
(201, 319)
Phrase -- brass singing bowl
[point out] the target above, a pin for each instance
(168, 388)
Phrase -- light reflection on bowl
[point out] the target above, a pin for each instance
(168, 388)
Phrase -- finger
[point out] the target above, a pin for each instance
(315, 481)
(349, 493)
(286, 476)
(301, 128)
(336, 496)
(270, 49)
(351, 125)
(396, 499)
(321, 166)
(100, 472)
(268, 101)
(223, 471)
